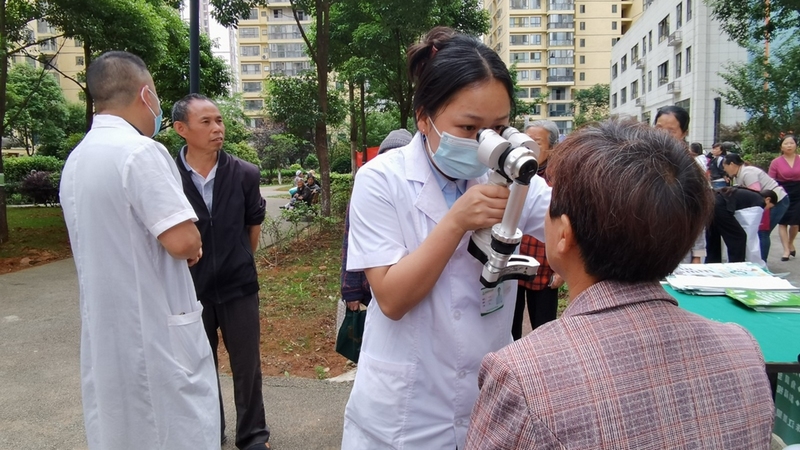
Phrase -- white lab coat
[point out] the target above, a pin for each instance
(147, 375)
(749, 219)
(417, 377)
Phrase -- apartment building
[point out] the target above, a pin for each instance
(673, 56)
(558, 47)
(270, 43)
(65, 54)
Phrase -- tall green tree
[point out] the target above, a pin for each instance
(14, 37)
(591, 104)
(767, 86)
(35, 100)
(373, 36)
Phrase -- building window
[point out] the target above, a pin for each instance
(614, 100)
(583, 9)
(263, 13)
(583, 43)
(537, 75)
(79, 61)
(635, 90)
(583, 59)
(251, 86)
(613, 9)
(277, 13)
(559, 110)
(644, 82)
(582, 76)
(634, 53)
(623, 96)
(249, 50)
(520, 57)
(650, 40)
(525, 39)
(688, 10)
(522, 93)
(582, 26)
(78, 43)
(623, 64)
(679, 16)
(649, 81)
(663, 29)
(614, 41)
(526, 4)
(251, 69)
(284, 31)
(646, 117)
(536, 110)
(248, 32)
(560, 21)
(688, 59)
(663, 73)
(42, 27)
(286, 50)
(253, 14)
(290, 69)
(678, 65)
(253, 105)
(49, 45)
(561, 38)
(644, 46)
(614, 72)
(614, 25)
(685, 104)
(561, 5)
(561, 57)
(560, 74)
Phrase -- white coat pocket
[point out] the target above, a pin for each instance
(188, 339)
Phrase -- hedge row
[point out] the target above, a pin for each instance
(18, 168)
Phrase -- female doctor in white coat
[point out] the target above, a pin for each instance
(412, 214)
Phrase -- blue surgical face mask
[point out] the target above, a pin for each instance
(157, 118)
(456, 157)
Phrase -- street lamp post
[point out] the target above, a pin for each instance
(194, 46)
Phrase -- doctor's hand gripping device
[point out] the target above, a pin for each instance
(512, 158)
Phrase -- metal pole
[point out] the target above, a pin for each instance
(194, 46)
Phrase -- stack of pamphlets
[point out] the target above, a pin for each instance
(714, 279)
(768, 301)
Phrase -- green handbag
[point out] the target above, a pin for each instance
(348, 341)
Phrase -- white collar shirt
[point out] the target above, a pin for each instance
(204, 185)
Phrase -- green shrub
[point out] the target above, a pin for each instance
(243, 151)
(16, 169)
(761, 160)
(311, 161)
(40, 187)
(69, 145)
(341, 188)
(342, 164)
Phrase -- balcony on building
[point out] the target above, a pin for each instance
(560, 5)
(674, 87)
(525, 4)
(639, 101)
(559, 95)
(675, 38)
(560, 21)
(640, 63)
(559, 110)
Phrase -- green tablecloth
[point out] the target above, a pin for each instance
(778, 334)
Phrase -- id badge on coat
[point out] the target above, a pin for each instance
(491, 299)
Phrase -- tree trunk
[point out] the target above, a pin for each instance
(353, 129)
(363, 121)
(3, 82)
(87, 56)
(321, 129)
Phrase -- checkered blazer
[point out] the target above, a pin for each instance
(625, 368)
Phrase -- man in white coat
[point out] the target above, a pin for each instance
(147, 375)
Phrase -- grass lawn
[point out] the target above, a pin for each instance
(36, 235)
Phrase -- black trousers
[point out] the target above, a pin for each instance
(238, 319)
(725, 226)
(542, 308)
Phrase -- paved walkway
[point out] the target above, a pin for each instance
(40, 404)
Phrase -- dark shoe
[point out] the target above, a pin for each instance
(792, 253)
(784, 258)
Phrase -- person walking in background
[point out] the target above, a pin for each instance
(147, 373)
(354, 286)
(624, 367)
(541, 293)
(756, 179)
(412, 213)
(224, 192)
(785, 170)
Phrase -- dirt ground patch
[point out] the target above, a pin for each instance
(36, 236)
(299, 295)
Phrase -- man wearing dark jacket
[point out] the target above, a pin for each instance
(224, 192)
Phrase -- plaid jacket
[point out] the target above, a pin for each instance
(625, 368)
(530, 246)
